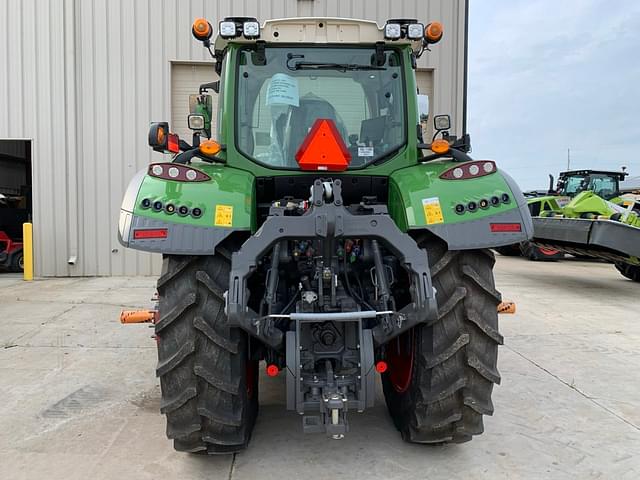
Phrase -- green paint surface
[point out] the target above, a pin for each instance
(409, 187)
(227, 187)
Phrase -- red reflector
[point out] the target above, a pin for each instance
(323, 148)
(381, 366)
(150, 233)
(173, 143)
(505, 227)
(272, 370)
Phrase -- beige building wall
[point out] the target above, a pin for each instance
(82, 79)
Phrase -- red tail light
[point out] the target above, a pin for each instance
(506, 227)
(173, 143)
(272, 370)
(149, 234)
(177, 172)
(464, 171)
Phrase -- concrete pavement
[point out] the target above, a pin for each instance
(80, 399)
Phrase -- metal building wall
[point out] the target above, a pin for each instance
(84, 78)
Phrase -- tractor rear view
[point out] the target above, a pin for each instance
(318, 233)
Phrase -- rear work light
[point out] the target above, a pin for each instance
(150, 234)
(177, 172)
(467, 170)
(392, 31)
(227, 29)
(251, 29)
(415, 31)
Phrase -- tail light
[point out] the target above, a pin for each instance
(506, 227)
(173, 143)
(177, 172)
(150, 233)
(467, 170)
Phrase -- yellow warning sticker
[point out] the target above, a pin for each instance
(224, 216)
(432, 210)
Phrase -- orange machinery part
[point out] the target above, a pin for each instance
(507, 307)
(138, 316)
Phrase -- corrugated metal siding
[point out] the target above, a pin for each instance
(83, 79)
(34, 105)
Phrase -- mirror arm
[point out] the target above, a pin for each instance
(184, 146)
(185, 157)
(457, 155)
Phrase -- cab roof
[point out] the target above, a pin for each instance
(620, 175)
(321, 30)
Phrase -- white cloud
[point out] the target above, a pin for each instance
(545, 76)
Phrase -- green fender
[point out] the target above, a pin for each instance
(420, 200)
(225, 204)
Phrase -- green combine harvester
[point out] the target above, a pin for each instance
(588, 215)
(320, 234)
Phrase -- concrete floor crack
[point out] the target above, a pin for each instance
(576, 389)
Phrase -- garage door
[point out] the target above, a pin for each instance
(424, 80)
(185, 81)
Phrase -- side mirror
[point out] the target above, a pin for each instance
(423, 108)
(442, 122)
(161, 140)
(200, 113)
(215, 86)
(158, 135)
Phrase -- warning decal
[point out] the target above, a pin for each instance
(432, 210)
(224, 216)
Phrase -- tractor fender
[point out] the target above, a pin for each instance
(421, 200)
(151, 218)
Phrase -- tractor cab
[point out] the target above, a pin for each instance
(605, 184)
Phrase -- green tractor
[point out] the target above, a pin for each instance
(604, 184)
(591, 217)
(319, 234)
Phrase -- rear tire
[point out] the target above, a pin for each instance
(454, 356)
(209, 386)
(632, 272)
(17, 261)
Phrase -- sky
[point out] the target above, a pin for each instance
(546, 76)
